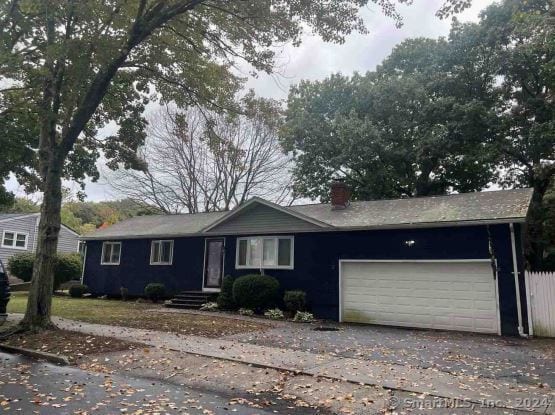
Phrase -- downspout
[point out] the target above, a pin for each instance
(84, 262)
(517, 285)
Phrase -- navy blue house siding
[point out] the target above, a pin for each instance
(317, 256)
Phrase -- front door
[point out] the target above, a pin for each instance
(213, 264)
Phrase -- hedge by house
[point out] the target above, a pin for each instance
(21, 266)
(295, 300)
(67, 267)
(155, 291)
(257, 292)
(78, 290)
(225, 298)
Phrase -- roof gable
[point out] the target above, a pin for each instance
(261, 216)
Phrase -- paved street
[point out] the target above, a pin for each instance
(28, 387)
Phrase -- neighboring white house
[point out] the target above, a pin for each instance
(18, 233)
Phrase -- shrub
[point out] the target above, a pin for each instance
(21, 265)
(255, 291)
(274, 314)
(124, 292)
(68, 267)
(155, 291)
(225, 298)
(295, 300)
(303, 317)
(246, 312)
(78, 290)
(212, 306)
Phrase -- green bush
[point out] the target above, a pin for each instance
(21, 265)
(303, 317)
(255, 291)
(68, 267)
(295, 300)
(211, 306)
(225, 298)
(78, 290)
(246, 312)
(274, 314)
(155, 291)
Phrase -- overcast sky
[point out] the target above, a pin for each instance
(315, 59)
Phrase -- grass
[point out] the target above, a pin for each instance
(139, 315)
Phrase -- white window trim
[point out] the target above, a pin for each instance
(102, 253)
(152, 252)
(15, 234)
(276, 238)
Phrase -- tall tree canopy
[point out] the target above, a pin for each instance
(438, 116)
(405, 130)
(79, 65)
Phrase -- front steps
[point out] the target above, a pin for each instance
(191, 299)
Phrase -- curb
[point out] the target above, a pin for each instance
(35, 354)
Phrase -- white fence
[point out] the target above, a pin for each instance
(540, 293)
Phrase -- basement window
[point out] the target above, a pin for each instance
(265, 252)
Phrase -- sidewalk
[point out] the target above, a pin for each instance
(432, 382)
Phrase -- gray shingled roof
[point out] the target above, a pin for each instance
(478, 206)
(157, 225)
(12, 215)
(497, 206)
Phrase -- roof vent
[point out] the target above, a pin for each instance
(340, 195)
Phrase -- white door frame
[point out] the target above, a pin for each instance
(206, 240)
(495, 277)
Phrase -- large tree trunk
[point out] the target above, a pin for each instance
(39, 302)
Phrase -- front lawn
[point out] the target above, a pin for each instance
(141, 315)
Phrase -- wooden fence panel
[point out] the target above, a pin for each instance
(540, 292)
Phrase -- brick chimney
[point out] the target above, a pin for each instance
(340, 195)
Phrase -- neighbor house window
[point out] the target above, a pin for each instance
(14, 240)
(265, 252)
(111, 253)
(161, 253)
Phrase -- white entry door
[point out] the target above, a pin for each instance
(448, 295)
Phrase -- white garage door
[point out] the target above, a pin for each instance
(449, 295)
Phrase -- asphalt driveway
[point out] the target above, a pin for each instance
(530, 361)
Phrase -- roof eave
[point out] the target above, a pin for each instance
(412, 225)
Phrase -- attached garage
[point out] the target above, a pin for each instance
(436, 294)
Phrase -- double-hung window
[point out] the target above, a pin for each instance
(265, 252)
(111, 253)
(161, 253)
(14, 240)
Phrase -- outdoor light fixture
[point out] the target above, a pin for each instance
(410, 243)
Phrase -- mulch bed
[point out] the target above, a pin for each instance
(71, 344)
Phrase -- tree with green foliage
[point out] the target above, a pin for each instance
(438, 116)
(79, 65)
(403, 130)
(521, 37)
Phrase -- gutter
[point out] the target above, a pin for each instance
(517, 285)
(408, 225)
